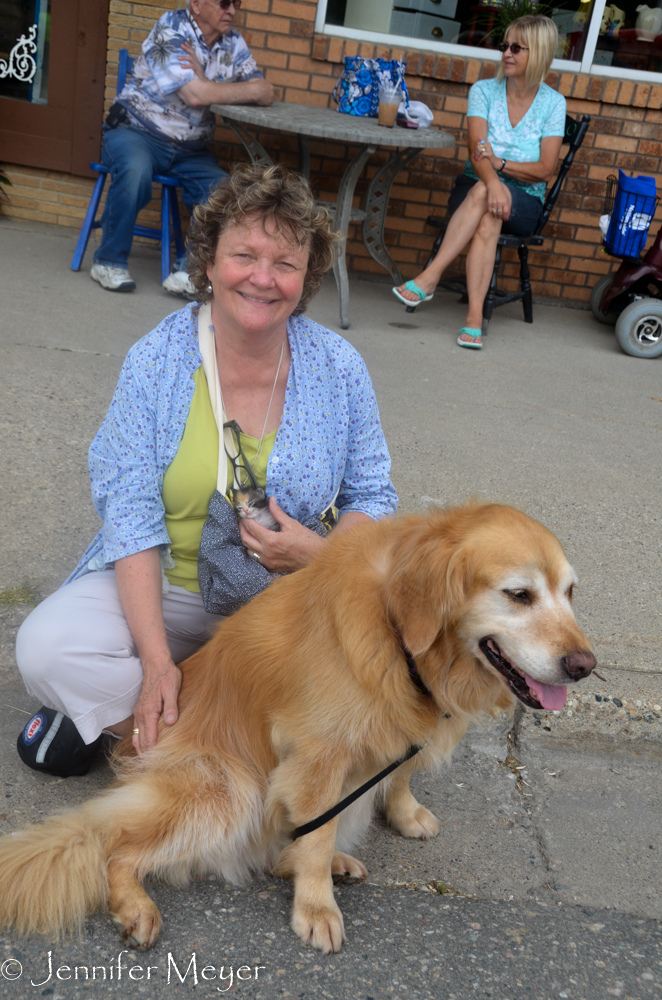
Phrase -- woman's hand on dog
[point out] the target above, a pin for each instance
(158, 697)
(284, 551)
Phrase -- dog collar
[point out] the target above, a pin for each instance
(413, 672)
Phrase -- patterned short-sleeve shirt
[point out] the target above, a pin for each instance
(150, 94)
(545, 117)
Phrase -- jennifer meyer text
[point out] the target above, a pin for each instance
(191, 970)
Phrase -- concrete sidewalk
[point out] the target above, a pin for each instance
(550, 417)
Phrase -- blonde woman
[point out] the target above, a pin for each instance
(515, 128)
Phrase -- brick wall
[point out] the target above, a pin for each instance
(625, 132)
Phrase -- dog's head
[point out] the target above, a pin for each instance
(501, 582)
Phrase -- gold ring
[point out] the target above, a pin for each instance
(135, 732)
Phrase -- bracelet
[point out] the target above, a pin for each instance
(502, 168)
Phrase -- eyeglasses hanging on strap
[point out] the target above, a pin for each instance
(240, 464)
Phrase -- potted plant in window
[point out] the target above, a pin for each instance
(492, 19)
(508, 11)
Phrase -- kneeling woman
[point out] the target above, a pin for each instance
(515, 130)
(101, 652)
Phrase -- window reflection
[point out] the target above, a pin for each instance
(25, 49)
(630, 36)
(461, 22)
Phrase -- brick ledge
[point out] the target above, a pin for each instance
(579, 86)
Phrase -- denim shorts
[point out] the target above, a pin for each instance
(525, 213)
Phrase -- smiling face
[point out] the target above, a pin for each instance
(520, 624)
(257, 277)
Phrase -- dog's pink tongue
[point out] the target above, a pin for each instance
(550, 696)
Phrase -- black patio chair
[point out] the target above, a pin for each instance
(575, 130)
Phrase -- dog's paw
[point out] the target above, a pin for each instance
(320, 926)
(345, 868)
(420, 823)
(139, 926)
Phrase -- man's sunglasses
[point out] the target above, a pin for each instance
(224, 4)
(514, 47)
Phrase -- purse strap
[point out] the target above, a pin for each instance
(207, 345)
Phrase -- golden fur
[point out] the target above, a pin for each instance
(298, 699)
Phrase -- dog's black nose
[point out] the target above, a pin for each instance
(578, 665)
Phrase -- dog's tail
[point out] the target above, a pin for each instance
(53, 874)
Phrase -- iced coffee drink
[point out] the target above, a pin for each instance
(389, 102)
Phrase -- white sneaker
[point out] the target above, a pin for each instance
(179, 283)
(115, 279)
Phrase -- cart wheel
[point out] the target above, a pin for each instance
(639, 329)
(608, 318)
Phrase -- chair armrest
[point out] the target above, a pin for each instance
(521, 241)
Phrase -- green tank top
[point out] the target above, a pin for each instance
(190, 480)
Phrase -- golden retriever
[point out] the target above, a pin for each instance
(402, 632)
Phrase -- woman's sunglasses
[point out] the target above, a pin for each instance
(514, 47)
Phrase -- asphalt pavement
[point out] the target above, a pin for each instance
(546, 879)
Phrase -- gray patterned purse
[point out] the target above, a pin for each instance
(227, 575)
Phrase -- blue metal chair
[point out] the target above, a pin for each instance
(171, 227)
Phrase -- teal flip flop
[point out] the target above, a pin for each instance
(411, 286)
(476, 334)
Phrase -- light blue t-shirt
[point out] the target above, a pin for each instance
(545, 117)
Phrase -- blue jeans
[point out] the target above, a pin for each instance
(133, 156)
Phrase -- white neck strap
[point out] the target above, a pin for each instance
(207, 344)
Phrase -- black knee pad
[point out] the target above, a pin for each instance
(51, 743)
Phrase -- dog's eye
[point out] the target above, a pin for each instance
(521, 596)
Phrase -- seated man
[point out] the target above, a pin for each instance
(161, 123)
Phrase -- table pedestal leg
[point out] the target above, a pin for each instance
(377, 206)
(343, 211)
(304, 155)
(256, 152)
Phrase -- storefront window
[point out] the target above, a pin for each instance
(630, 37)
(461, 22)
(24, 49)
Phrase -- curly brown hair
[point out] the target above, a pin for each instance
(274, 192)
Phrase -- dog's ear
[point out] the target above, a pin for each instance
(427, 585)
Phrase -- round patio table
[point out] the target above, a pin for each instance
(324, 123)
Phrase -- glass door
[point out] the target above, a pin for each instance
(52, 69)
(24, 49)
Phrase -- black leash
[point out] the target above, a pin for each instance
(314, 824)
(330, 814)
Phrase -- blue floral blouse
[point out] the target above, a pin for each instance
(329, 444)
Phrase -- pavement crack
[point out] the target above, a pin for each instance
(70, 350)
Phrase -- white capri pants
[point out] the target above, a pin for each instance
(77, 655)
